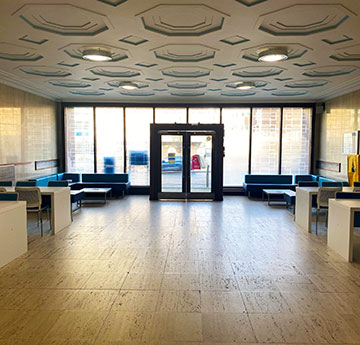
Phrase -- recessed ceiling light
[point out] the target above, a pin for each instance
(98, 55)
(128, 85)
(245, 85)
(273, 54)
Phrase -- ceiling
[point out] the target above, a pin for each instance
(181, 51)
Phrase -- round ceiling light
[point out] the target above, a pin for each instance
(128, 85)
(98, 55)
(245, 85)
(273, 54)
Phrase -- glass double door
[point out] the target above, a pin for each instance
(186, 165)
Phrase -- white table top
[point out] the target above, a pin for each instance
(43, 190)
(315, 190)
(9, 205)
(346, 203)
(275, 191)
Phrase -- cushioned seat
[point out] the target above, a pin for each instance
(254, 184)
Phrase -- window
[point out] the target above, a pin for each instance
(296, 141)
(79, 132)
(138, 122)
(265, 145)
(236, 141)
(109, 140)
(170, 115)
(204, 115)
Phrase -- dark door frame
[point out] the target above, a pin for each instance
(217, 132)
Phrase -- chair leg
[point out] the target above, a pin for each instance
(41, 223)
(49, 217)
(316, 226)
(326, 219)
(38, 219)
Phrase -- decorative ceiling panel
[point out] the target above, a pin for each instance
(304, 19)
(185, 52)
(330, 71)
(13, 52)
(76, 50)
(182, 19)
(181, 50)
(115, 71)
(44, 71)
(117, 83)
(295, 50)
(63, 19)
(258, 71)
(186, 72)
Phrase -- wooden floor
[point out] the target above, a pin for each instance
(164, 273)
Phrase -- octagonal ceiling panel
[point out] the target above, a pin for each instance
(117, 83)
(329, 71)
(14, 52)
(113, 2)
(186, 72)
(182, 19)
(257, 83)
(137, 93)
(187, 94)
(44, 71)
(295, 50)
(185, 52)
(238, 93)
(351, 53)
(69, 83)
(258, 71)
(250, 3)
(75, 50)
(87, 92)
(304, 19)
(115, 71)
(186, 84)
(63, 19)
(287, 93)
(306, 84)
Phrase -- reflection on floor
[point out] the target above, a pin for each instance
(139, 272)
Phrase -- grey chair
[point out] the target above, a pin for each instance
(26, 184)
(323, 196)
(11, 196)
(62, 183)
(331, 184)
(6, 183)
(32, 196)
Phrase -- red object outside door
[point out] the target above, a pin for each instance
(195, 162)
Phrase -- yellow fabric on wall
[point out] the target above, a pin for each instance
(353, 169)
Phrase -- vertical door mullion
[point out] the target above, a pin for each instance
(95, 141)
(281, 135)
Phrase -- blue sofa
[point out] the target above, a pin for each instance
(42, 181)
(254, 184)
(119, 183)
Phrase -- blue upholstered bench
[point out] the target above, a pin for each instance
(254, 184)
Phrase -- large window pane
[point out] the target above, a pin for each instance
(204, 115)
(265, 141)
(236, 141)
(110, 140)
(296, 141)
(170, 115)
(79, 139)
(138, 144)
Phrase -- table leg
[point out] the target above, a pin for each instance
(341, 231)
(303, 209)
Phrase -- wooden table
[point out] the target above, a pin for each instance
(60, 206)
(303, 207)
(13, 230)
(341, 226)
